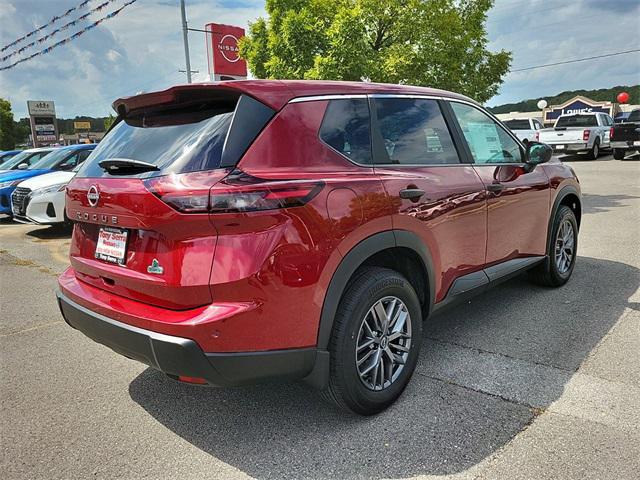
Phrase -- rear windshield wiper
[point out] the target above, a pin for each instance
(121, 166)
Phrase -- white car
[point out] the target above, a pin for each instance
(40, 199)
(579, 133)
(526, 129)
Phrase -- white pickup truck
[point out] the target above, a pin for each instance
(579, 133)
(526, 129)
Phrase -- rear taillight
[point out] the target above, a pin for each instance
(186, 192)
(263, 196)
(611, 132)
(200, 192)
(585, 135)
(537, 136)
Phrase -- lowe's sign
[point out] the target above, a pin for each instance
(577, 105)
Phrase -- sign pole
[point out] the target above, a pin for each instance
(185, 38)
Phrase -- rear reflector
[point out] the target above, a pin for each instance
(198, 380)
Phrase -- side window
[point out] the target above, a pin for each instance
(537, 125)
(34, 158)
(82, 156)
(414, 132)
(487, 140)
(346, 128)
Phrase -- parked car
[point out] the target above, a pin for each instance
(24, 159)
(526, 129)
(625, 137)
(6, 155)
(40, 199)
(579, 133)
(61, 159)
(246, 231)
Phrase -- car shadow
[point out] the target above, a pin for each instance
(52, 232)
(442, 424)
(603, 203)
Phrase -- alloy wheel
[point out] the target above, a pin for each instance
(565, 247)
(384, 343)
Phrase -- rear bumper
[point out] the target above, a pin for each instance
(178, 356)
(570, 147)
(626, 145)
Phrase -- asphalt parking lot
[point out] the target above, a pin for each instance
(523, 382)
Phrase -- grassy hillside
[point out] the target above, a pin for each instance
(602, 94)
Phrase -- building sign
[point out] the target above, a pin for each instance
(42, 117)
(41, 107)
(223, 54)
(577, 105)
(82, 125)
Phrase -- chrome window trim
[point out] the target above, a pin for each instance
(318, 98)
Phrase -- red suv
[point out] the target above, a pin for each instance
(246, 231)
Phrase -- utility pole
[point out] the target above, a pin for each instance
(185, 37)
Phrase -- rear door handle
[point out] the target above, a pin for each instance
(495, 187)
(411, 193)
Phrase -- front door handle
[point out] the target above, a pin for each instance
(411, 193)
(495, 187)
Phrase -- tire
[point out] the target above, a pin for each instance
(349, 388)
(594, 153)
(552, 272)
(619, 153)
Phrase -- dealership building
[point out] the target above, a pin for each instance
(579, 104)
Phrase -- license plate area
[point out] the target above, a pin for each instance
(112, 245)
(559, 147)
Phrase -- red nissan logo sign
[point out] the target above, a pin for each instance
(228, 47)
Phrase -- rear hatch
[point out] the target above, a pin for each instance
(140, 202)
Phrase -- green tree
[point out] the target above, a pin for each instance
(108, 122)
(7, 126)
(437, 43)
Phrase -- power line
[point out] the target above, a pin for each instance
(575, 60)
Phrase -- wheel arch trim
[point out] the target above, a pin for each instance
(560, 196)
(354, 259)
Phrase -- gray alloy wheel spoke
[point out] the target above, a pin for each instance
(384, 343)
(564, 246)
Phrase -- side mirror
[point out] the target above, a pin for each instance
(23, 166)
(537, 153)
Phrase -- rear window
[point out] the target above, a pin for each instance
(634, 116)
(346, 128)
(518, 124)
(185, 140)
(578, 121)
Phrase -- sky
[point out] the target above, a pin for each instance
(141, 49)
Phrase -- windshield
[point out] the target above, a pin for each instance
(577, 121)
(27, 156)
(182, 141)
(53, 159)
(518, 124)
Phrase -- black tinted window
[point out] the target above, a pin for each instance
(345, 127)
(634, 116)
(518, 124)
(578, 121)
(414, 132)
(178, 141)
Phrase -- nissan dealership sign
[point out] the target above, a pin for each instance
(223, 54)
(42, 118)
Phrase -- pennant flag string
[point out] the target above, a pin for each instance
(68, 39)
(50, 22)
(57, 30)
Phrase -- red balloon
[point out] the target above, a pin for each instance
(623, 97)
